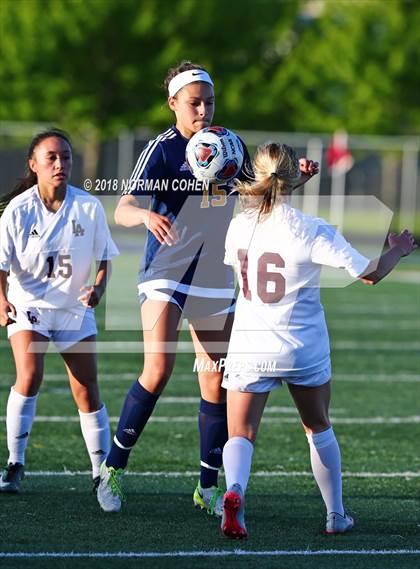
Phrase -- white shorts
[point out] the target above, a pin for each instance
(192, 301)
(255, 383)
(64, 327)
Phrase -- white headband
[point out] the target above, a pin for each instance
(187, 77)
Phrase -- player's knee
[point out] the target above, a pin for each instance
(89, 405)
(86, 397)
(244, 431)
(211, 387)
(156, 374)
(316, 426)
(28, 382)
(212, 381)
(213, 378)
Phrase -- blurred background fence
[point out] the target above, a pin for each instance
(301, 71)
(386, 167)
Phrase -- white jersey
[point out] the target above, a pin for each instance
(49, 255)
(279, 316)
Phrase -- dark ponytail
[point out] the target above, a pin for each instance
(30, 178)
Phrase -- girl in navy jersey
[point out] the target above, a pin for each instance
(50, 233)
(277, 253)
(182, 275)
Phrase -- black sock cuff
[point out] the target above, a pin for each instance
(141, 394)
(214, 409)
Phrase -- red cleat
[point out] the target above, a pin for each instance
(233, 520)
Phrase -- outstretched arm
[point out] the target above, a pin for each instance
(129, 213)
(400, 245)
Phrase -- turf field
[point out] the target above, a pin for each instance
(376, 410)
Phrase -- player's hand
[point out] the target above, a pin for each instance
(308, 169)
(162, 228)
(91, 295)
(7, 313)
(404, 241)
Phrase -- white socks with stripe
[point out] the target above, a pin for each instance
(97, 435)
(19, 418)
(326, 467)
(237, 460)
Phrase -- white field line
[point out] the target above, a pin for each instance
(406, 277)
(372, 325)
(384, 309)
(123, 347)
(119, 377)
(409, 420)
(376, 346)
(211, 553)
(365, 377)
(259, 474)
(293, 410)
(195, 400)
(379, 377)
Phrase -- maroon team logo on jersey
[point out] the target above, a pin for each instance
(33, 319)
(78, 230)
(205, 153)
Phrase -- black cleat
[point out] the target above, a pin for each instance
(11, 477)
(96, 481)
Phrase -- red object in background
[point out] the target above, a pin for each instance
(339, 158)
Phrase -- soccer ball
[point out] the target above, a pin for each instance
(214, 155)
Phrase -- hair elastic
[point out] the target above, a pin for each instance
(187, 77)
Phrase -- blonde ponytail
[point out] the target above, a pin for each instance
(276, 171)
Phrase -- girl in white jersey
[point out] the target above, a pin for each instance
(277, 253)
(182, 275)
(50, 233)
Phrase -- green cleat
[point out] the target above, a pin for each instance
(209, 499)
(109, 492)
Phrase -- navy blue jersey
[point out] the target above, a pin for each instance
(200, 211)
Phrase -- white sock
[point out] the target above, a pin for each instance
(237, 459)
(97, 435)
(326, 467)
(19, 418)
